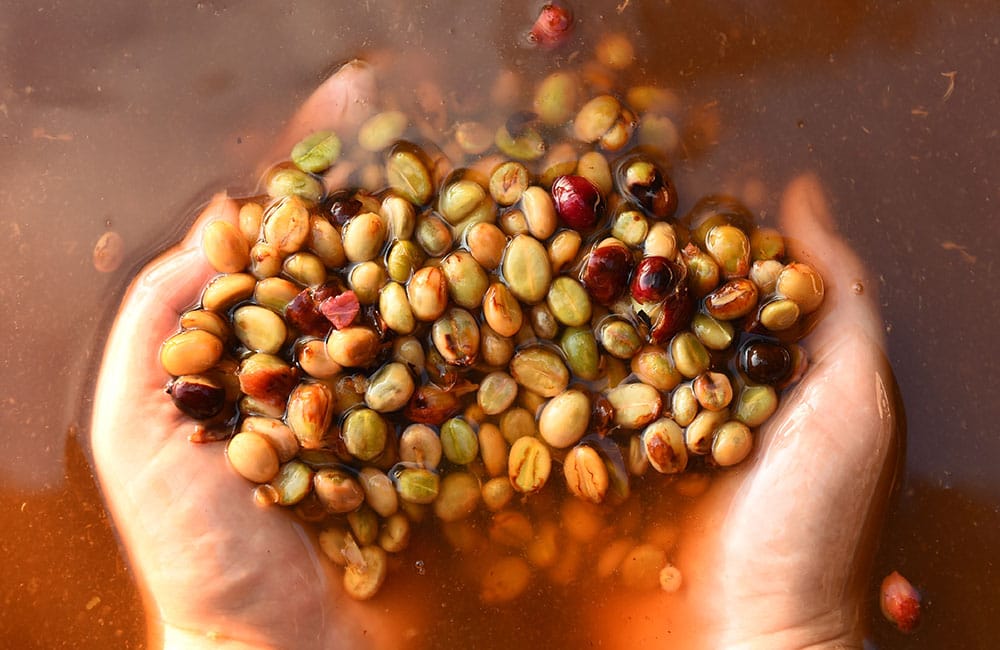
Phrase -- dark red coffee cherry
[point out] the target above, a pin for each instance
(606, 271)
(553, 25)
(577, 201)
(197, 395)
(765, 362)
(654, 279)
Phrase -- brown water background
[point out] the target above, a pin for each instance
(126, 116)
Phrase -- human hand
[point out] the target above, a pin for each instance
(777, 552)
(216, 570)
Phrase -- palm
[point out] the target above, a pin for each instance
(777, 551)
(215, 566)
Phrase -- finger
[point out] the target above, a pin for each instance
(163, 290)
(809, 229)
(341, 103)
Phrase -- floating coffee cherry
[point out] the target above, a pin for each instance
(643, 182)
(900, 602)
(553, 25)
(605, 273)
(197, 395)
(673, 315)
(577, 201)
(765, 362)
(654, 279)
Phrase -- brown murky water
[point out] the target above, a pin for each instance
(125, 117)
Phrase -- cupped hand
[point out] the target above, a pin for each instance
(216, 570)
(777, 553)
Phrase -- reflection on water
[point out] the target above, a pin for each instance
(127, 117)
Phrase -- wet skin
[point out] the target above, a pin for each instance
(776, 556)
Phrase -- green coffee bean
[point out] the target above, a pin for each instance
(764, 274)
(498, 492)
(364, 433)
(699, 434)
(555, 98)
(517, 423)
(631, 227)
(580, 349)
(564, 418)
(308, 414)
(275, 293)
(528, 465)
(663, 444)
(292, 483)
(527, 145)
(395, 308)
(779, 315)
(364, 525)
(539, 212)
(408, 176)
(732, 443)
(259, 329)
(466, 280)
(380, 494)
(428, 293)
(253, 457)
(458, 496)
(730, 247)
(635, 405)
(653, 365)
(569, 302)
(713, 334)
(459, 199)
(459, 442)
(363, 236)
(394, 536)
(337, 490)
(403, 259)
(619, 338)
(802, 284)
(305, 268)
(224, 291)
(526, 269)
(190, 352)
(543, 322)
(595, 168)
(390, 388)
(755, 404)
(713, 390)
(353, 347)
(540, 370)
(288, 182)
(382, 130)
(364, 577)
(508, 182)
(766, 244)
(586, 475)
(419, 486)
(456, 337)
(224, 247)
(433, 235)
(421, 445)
(733, 300)
(497, 391)
(316, 152)
(689, 355)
